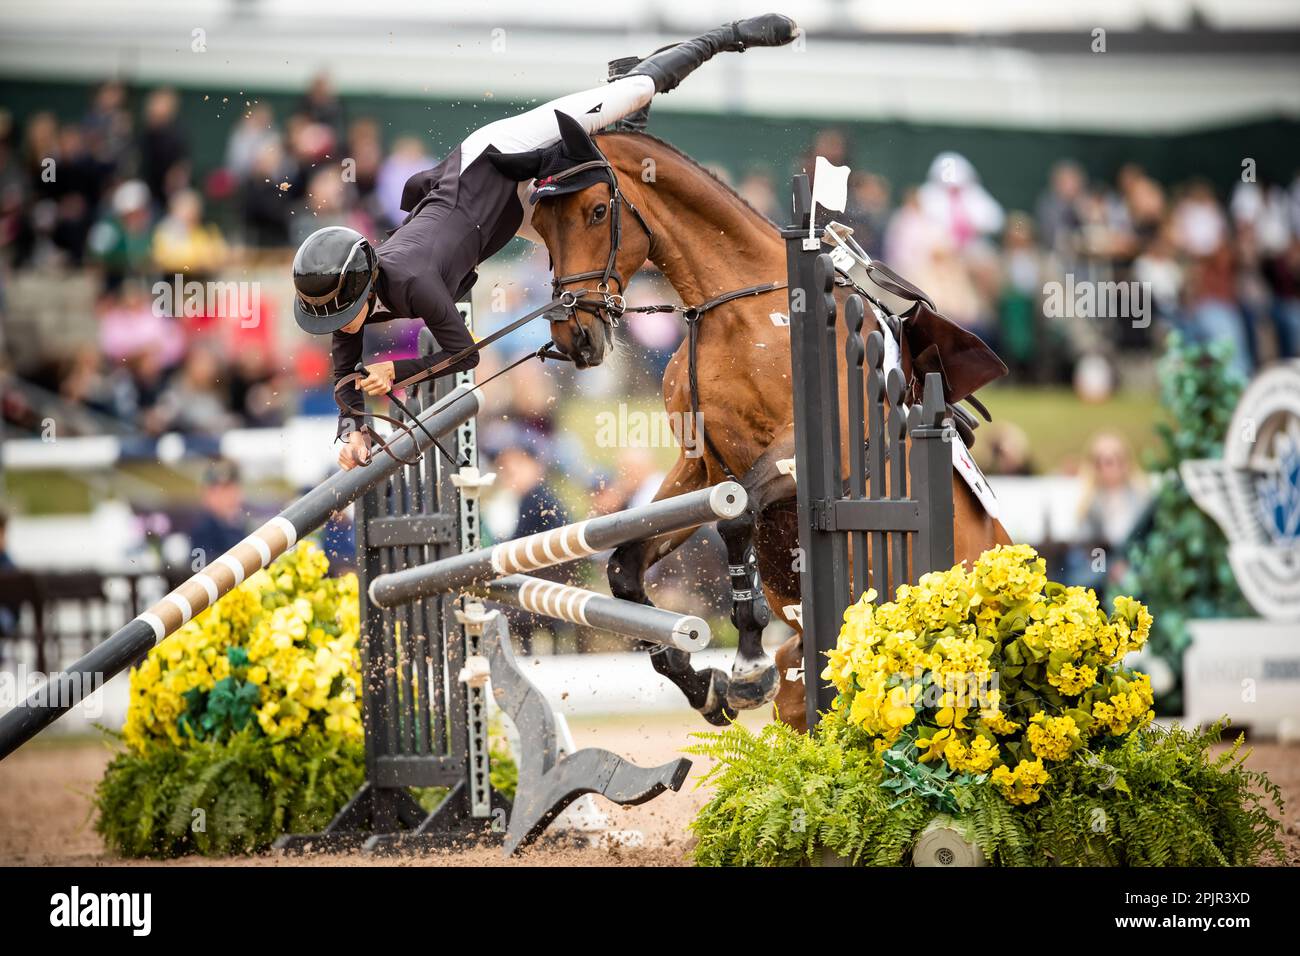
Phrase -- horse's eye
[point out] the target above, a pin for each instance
(598, 214)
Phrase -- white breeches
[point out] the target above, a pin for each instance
(594, 109)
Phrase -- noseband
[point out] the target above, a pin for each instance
(610, 307)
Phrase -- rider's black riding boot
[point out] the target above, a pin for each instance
(632, 122)
(671, 65)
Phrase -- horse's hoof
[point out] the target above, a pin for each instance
(716, 710)
(754, 690)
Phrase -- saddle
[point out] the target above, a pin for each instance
(927, 340)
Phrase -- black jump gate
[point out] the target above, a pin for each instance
(855, 529)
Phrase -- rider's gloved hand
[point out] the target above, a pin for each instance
(378, 380)
(355, 451)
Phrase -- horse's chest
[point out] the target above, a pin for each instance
(743, 390)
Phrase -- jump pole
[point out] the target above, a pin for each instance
(576, 605)
(560, 545)
(66, 689)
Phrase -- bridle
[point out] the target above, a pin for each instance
(609, 308)
(611, 305)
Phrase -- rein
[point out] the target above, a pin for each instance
(609, 308)
(545, 352)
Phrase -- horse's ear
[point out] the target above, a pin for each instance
(517, 166)
(578, 144)
(936, 344)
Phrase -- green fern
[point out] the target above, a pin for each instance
(223, 797)
(1154, 798)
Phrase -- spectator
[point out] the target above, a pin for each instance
(1020, 324)
(129, 322)
(953, 198)
(407, 158)
(183, 243)
(224, 522)
(122, 243)
(637, 481)
(1264, 208)
(194, 403)
(266, 206)
(321, 103)
(1283, 275)
(1200, 227)
(911, 239)
(1159, 270)
(77, 189)
(164, 149)
(1059, 210)
(257, 392)
(311, 145)
(107, 127)
(254, 133)
(366, 153)
(84, 382)
(6, 562)
(1115, 495)
(329, 201)
(868, 211)
(1213, 312)
(521, 487)
(830, 143)
(1005, 450)
(1141, 209)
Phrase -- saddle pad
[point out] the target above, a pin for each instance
(962, 461)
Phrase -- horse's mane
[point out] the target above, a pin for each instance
(726, 187)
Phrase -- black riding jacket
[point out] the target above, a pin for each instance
(455, 220)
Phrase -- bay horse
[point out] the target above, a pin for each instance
(710, 243)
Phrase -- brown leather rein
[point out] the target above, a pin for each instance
(609, 308)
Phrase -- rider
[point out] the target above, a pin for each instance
(460, 213)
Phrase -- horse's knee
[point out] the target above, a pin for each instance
(626, 579)
(737, 532)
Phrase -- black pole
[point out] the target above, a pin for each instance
(822, 607)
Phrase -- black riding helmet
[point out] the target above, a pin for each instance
(333, 274)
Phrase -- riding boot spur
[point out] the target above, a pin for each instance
(669, 66)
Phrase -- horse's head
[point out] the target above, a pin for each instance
(596, 237)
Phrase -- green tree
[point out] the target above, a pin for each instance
(1178, 561)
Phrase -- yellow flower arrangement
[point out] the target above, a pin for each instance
(279, 651)
(992, 672)
(1022, 784)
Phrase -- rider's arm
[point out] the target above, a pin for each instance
(346, 351)
(429, 299)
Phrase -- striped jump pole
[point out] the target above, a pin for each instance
(66, 689)
(565, 602)
(560, 545)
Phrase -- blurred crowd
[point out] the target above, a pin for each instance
(113, 200)
(1208, 266)
(113, 195)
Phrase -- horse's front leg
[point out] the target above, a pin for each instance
(754, 676)
(705, 690)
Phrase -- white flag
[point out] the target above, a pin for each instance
(830, 185)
